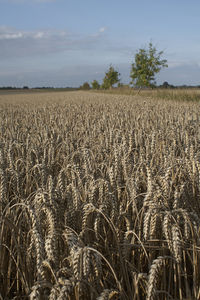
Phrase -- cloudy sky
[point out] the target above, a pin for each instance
(67, 42)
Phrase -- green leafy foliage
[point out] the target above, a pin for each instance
(95, 85)
(147, 63)
(85, 86)
(111, 78)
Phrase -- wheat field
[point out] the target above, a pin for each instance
(99, 197)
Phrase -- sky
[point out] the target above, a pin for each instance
(67, 42)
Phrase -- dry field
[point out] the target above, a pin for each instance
(99, 197)
(176, 94)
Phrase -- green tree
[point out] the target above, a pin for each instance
(120, 85)
(166, 85)
(111, 77)
(147, 64)
(95, 85)
(85, 86)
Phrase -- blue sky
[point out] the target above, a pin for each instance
(65, 43)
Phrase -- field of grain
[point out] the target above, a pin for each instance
(99, 197)
(176, 94)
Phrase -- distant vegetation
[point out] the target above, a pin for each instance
(26, 89)
(111, 78)
(175, 93)
(85, 86)
(34, 88)
(147, 63)
(95, 85)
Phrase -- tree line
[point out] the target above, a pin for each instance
(146, 65)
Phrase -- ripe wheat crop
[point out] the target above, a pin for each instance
(99, 197)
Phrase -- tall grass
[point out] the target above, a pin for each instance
(176, 94)
(99, 197)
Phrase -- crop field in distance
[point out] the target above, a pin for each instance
(99, 197)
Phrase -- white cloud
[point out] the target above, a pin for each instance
(102, 29)
(39, 35)
(27, 1)
(44, 1)
(99, 32)
(8, 36)
(9, 33)
(16, 43)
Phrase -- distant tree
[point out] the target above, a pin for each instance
(120, 85)
(105, 85)
(111, 78)
(95, 85)
(165, 85)
(85, 86)
(147, 64)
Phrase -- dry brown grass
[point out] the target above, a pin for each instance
(175, 94)
(99, 197)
